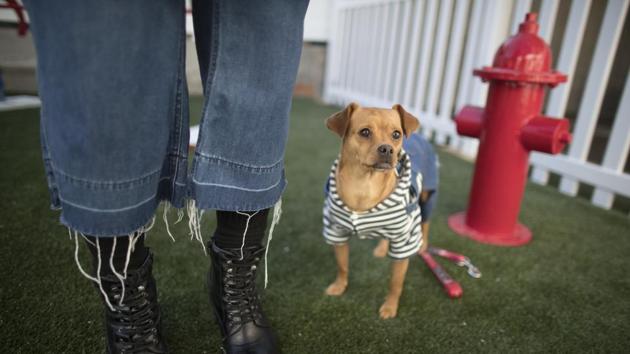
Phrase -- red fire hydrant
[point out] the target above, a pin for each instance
(508, 129)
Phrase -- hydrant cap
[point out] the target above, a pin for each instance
(524, 57)
(525, 51)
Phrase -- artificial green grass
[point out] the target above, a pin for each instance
(567, 291)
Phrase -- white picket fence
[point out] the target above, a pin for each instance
(421, 53)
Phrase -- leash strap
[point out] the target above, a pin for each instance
(458, 259)
(450, 286)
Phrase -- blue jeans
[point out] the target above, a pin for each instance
(114, 120)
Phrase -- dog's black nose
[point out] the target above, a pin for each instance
(385, 150)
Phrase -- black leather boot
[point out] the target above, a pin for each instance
(236, 302)
(135, 326)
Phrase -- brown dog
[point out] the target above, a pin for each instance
(363, 181)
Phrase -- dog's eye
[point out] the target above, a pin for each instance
(365, 132)
(396, 135)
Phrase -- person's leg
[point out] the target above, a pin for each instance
(117, 254)
(230, 231)
(114, 139)
(114, 109)
(248, 54)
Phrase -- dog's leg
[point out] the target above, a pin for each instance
(380, 250)
(390, 306)
(338, 287)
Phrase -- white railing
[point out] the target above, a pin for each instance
(421, 53)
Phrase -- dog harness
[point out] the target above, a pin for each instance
(397, 218)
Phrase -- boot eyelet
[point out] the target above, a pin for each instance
(141, 287)
(116, 297)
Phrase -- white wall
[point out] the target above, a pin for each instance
(318, 20)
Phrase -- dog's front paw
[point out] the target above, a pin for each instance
(337, 288)
(388, 309)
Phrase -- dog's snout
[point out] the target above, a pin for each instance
(385, 150)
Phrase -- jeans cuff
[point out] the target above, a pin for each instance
(104, 223)
(227, 186)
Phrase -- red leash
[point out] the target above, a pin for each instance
(450, 286)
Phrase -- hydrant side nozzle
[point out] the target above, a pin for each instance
(469, 121)
(546, 134)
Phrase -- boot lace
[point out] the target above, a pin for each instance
(242, 303)
(135, 321)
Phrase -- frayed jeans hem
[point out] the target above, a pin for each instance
(230, 199)
(107, 224)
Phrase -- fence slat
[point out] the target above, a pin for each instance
(361, 44)
(371, 17)
(353, 4)
(609, 34)
(349, 49)
(548, 14)
(414, 45)
(466, 78)
(371, 31)
(337, 48)
(356, 55)
(402, 52)
(439, 52)
(392, 53)
(567, 61)
(377, 35)
(452, 65)
(617, 149)
(382, 56)
(521, 7)
(332, 54)
(427, 41)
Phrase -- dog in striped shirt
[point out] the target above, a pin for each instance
(370, 192)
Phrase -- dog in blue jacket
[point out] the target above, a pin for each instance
(375, 192)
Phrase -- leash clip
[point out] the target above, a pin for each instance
(458, 259)
(470, 268)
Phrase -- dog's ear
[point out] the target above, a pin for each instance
(339, 121)
(409, 123)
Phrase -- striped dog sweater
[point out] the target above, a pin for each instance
(396, 218)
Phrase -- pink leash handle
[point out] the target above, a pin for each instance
(450, 286)
(458, 259)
